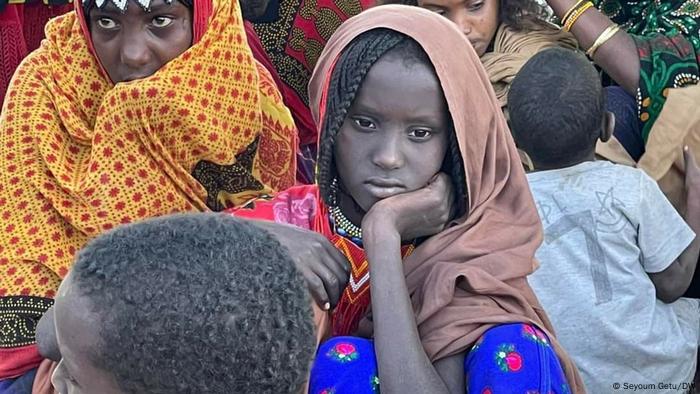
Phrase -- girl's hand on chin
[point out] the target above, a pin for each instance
(420, 213)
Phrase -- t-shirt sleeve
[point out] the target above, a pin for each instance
(663, 234)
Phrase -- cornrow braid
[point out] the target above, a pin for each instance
(454, 165)
(347, 77)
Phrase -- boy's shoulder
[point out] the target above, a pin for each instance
(600, 172)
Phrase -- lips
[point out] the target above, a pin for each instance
(384, 188)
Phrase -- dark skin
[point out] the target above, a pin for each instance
(388, 155)
(674, 281)
(477, 19)
(135, 44)
(254, 9)
(618, 57)
(77, 337)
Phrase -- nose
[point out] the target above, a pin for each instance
(135, 53)
(463, 20)
(388, 153)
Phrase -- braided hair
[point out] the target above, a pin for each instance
(346, 79)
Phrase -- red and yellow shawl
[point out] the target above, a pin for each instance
(80, 155)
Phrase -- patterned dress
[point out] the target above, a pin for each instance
(508, 358)
(668, 41)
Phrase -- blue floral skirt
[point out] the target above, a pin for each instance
(510, 358)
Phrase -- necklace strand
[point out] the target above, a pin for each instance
(343, 225)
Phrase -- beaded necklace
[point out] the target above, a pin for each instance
(344, 227)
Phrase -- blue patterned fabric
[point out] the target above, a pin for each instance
(20, 385)
(510, 358)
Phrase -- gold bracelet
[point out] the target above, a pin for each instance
(604, 37)
(574, 17)
(571, 10)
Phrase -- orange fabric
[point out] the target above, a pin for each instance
(80, 155)
(471, 276)
(356, 299)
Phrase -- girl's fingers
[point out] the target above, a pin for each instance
(317, 290)
(331, 284)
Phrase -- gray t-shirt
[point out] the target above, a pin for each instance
(605, 227)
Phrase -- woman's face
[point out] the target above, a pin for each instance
(395, 135)
(477, 19)
(135, 44)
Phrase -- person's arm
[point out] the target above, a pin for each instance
(325, 269)
(403, 365)
(618, 57)
(674, 281)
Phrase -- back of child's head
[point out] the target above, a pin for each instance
(197, 303)
(557, 108)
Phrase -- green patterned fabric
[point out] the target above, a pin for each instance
(668, 40)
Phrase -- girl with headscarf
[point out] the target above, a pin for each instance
(128, 110)
(421, 202)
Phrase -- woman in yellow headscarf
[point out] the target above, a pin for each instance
(130, 109)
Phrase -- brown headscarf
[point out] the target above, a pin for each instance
(513, 48)
(471, 276)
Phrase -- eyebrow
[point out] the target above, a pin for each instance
(425, 119)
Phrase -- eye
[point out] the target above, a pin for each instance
(106, 23)
(438, 11)
(162, 21)
(476, 6)
(420, 134)
(364, 123)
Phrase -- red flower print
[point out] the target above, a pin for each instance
(508, 359)
(343, 353)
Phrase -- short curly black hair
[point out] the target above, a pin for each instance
(197, 303)
(346, 79)
(557, 106)
(517, 14)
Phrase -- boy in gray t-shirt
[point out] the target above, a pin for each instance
(616, 257)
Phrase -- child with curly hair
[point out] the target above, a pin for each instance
(193, 303)
(616, 253)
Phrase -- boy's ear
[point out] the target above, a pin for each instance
(608, 126)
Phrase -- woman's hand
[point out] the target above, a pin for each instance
(419, 213)
(325, 269)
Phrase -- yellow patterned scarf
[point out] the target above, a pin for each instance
(79, 155)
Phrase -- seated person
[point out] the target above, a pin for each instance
(193, 303)
(128, 110)
(412, 251)
(616, 256)
(504, 33)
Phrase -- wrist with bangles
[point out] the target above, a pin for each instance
(575, 12)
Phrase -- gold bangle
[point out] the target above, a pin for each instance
(571, 10)
(574, 17)
(604, 37)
